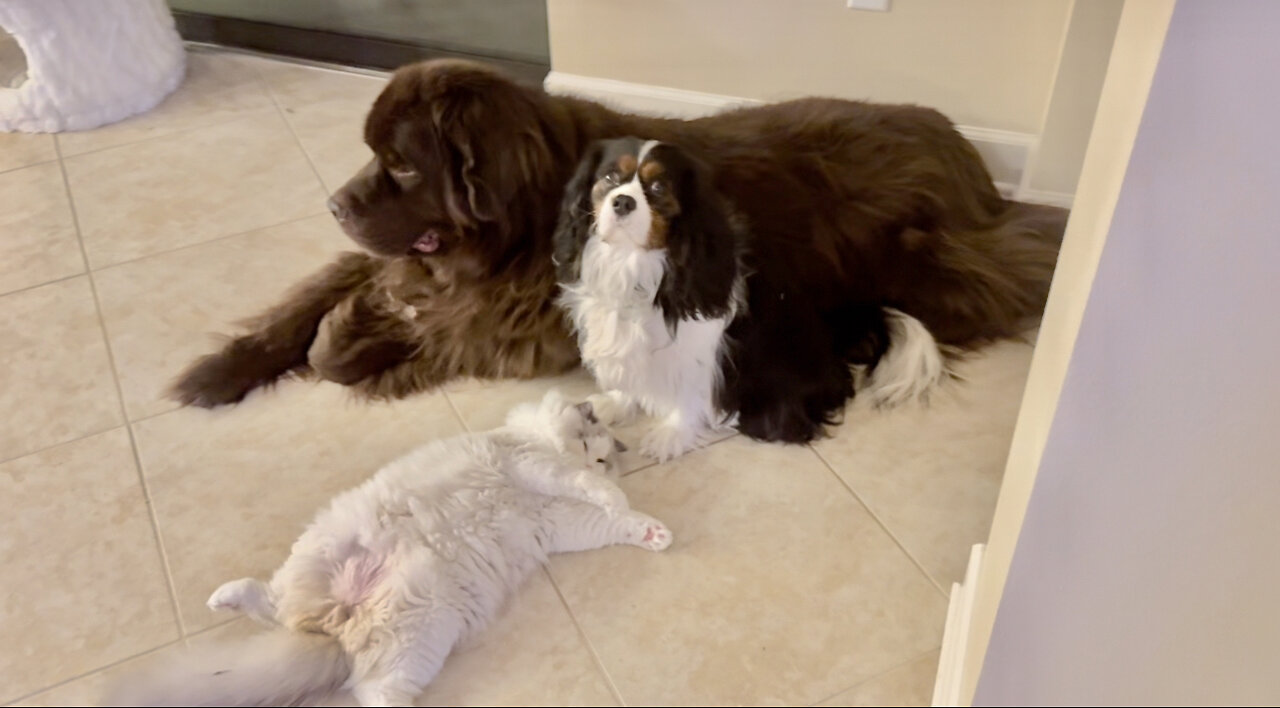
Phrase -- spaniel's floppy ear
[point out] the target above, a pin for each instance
(702, 246)
(576, 216)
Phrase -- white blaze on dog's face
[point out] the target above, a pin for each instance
(632, 197)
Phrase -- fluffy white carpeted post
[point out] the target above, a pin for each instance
(89, 62)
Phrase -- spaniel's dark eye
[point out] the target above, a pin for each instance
(657, 188)
(612, 178)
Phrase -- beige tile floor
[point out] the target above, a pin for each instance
(799, 575)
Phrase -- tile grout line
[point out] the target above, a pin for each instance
(41, 285)
(284, 115)
(124, 413)
(100, 669)
(456, 413)
(595, 655)
(37, 163)
(189, 246)
(76, 439)
(869, 679)
(897, 541)
(180, 131)
(118, 662)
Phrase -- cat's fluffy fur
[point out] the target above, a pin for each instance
(394, 573)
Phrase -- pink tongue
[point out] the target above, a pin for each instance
(428, 243)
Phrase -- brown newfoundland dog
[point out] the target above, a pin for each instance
(876, 204)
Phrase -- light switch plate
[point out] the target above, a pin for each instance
(877, 5)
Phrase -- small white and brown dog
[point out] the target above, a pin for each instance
(678, 315)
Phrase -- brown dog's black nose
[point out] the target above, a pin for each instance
(624, 204)
(338, 209)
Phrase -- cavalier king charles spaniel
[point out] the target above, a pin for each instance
(679, 317)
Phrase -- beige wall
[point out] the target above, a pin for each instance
(985, 63)
(1056, 164)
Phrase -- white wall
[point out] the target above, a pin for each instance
(985, 63)
(1148, 564)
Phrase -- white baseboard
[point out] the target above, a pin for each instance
(1005, 152)
(1041, 196)
(955, 637)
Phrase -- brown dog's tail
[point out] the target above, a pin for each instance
(277, 341)
(987, 282)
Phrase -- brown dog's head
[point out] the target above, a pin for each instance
(460, 156)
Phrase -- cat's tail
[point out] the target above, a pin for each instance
(275, 668)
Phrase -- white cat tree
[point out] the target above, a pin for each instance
(89, 62)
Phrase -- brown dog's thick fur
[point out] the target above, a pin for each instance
(873, 203)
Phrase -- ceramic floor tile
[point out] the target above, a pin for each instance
(778, 588)
(164, 311)
(332, 133)
(932, 472)
(21, 149)
(83, 583)
(56, 383)
(92, 689)
(217, 88)
(179, 190)
(294, 85)
(232, 488)
(907, 685)
(39, 241)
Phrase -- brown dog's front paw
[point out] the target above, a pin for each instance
(349, 349)
(209, 383)
(228, 376)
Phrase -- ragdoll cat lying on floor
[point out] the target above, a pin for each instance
(394, 573)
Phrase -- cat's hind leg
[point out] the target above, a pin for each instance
(247, 595)
(411, 660)
(576, 526)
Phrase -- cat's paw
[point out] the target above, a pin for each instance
(668, 441)
(613, 407)
(233, 595)
(656, 536)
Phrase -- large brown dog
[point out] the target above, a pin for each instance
(875, 204)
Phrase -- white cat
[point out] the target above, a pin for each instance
(394, 573)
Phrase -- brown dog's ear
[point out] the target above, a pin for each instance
(495, 145)
(573, 226)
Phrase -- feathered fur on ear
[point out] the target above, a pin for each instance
(702, 246)
(587, 411)
(576, 216)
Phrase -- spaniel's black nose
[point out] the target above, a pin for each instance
(624, 204)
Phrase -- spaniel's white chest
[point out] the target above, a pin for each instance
(624, 339)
